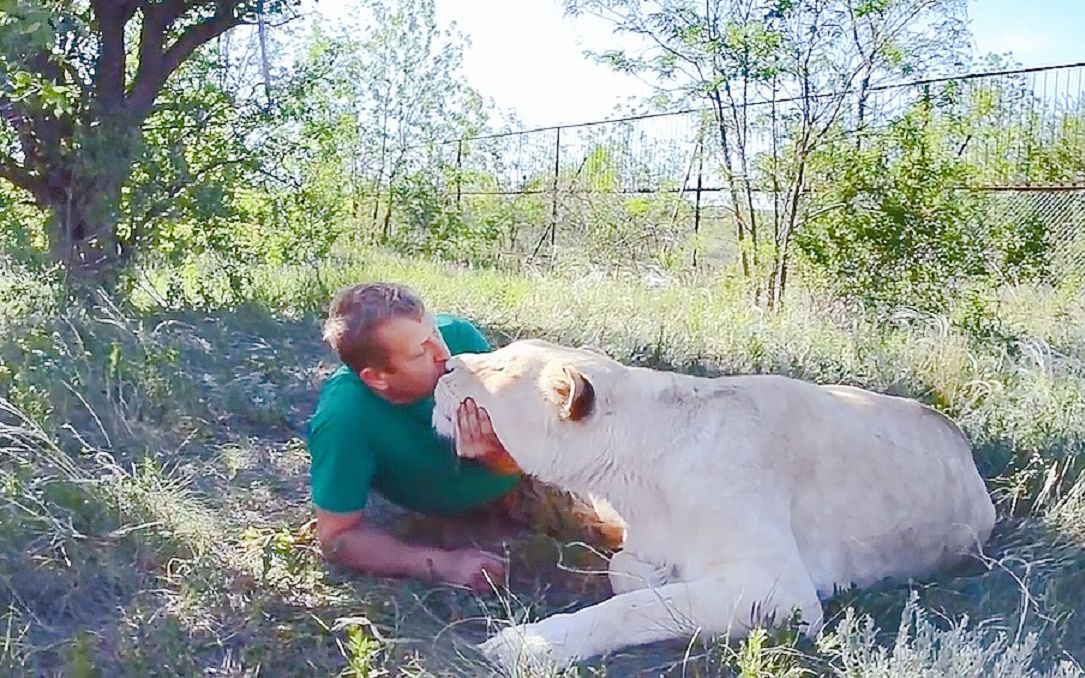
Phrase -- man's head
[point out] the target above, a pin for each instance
(384, 333)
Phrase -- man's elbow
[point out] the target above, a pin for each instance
(329, 545)
(331, 530)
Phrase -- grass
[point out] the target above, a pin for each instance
(153, 475)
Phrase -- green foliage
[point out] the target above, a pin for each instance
(429, 224)
(894, 222)
(362, 651)
(286, 558)
(184, 195)
(896, 227)
(1023, 244)
(726, 56)
(332, 159)
(22, 226)
(78, 83)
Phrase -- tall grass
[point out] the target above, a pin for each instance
(155, 440)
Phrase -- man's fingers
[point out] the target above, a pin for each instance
(475, 436)
(485, 426)
(462, 426)
(473, 427)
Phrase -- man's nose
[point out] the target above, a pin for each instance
(449, 364)
(443, 354)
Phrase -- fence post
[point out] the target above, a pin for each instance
(697, 206)
(554, 201)
(459, 177)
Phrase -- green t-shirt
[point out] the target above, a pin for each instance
(357, 441)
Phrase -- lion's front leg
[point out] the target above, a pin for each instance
(629, 572)
(730, 602)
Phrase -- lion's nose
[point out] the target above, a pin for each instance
(451, 364)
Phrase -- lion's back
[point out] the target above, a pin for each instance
(875, 485)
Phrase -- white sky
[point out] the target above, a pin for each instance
(527, 56)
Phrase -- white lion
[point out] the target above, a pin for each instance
(745, 497)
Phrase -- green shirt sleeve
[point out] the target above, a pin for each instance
(342, 464)
(472, 340)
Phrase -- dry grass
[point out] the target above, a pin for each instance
(155, 512)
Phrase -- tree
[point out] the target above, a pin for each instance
(412, 94)
(777, 79)
(359, 125)
(902, 230)
(78, 80)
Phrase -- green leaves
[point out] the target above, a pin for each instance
(868, 8)
(900, 226)
(78, 81)
(41, 94)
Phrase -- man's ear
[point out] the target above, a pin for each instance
(374, 379)
(570, 390)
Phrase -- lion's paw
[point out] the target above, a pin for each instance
(629, 572)
(521, 651)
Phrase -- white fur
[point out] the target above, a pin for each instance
(745, 497)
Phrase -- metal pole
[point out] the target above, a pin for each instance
(554, 202)
(697, 206)
(459, 179)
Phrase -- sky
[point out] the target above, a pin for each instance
(527, 56)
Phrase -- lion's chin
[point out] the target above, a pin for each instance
(443, 425)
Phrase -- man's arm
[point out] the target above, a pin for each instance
(349, 541)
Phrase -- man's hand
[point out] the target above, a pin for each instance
(349, 541)
(475, 439)
(472, 568)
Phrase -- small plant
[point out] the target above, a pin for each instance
(363, 648)
(81, 657)
(287, 557)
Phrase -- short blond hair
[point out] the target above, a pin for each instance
(355, 314)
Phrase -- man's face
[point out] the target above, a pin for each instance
(415, 356)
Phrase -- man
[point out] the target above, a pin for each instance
(371, 430)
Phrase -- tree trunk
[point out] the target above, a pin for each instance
(84, 199)
(778, 280)
(729, 177)
(83, 228)
(386, 223)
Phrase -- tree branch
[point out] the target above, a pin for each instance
(156, 68)
(19, 176)
(157, 18)
(24, 129)
(111, 16)
(159, 207)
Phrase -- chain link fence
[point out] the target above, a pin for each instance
(1055, 214)
(686, 188)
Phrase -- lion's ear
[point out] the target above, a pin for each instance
(569, 389)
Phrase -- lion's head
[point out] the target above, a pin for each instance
(539, 395)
